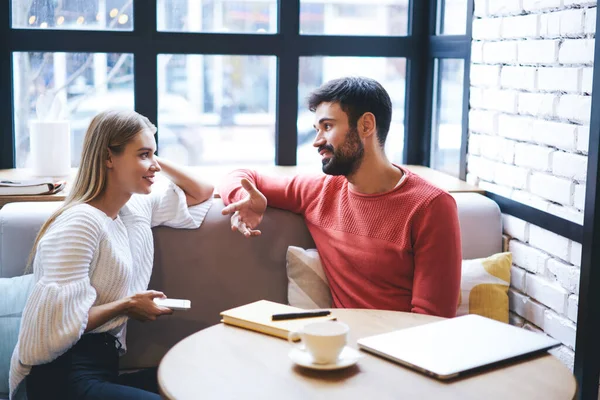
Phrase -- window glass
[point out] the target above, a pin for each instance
(100, 15)
(216, 109)
(452, 17)
(85, 83)
(446, 130)
(356, 17)
(222, 16)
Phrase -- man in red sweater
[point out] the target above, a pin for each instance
(387, 238)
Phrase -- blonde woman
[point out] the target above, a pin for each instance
(92, 264)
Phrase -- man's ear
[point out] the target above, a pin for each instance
(109, 159)
(366, 125)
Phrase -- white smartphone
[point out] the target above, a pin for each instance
(173, 304)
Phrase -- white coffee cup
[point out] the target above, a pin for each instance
(324, 340)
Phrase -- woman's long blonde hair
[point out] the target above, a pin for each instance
(108, 130)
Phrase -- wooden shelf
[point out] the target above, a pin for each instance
(214, 174)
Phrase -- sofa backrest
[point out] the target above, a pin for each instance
(217, 269)
(480, 222)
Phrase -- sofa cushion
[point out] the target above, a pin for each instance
(484, 283)
(12, 302)
(484, 287)
(307, 283)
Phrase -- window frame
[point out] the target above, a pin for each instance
(145, 42)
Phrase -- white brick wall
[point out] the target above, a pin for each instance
(569, 165)
(551, 187)
(555, 134)
(566, 274)
(517, 278)
(537, 51)
(566, 355)
(515, 227)
(574, 108)
(549, 242)
(488, 28)
(481, 121)
(502, 52)
(537, 5)
(538, 104)
(527, 257)
(519, 77)
(526, 307)
(534, 157)
(572, 22)
(516, 127)
(551, 79)
(547, 292)
(500, 100)
(579, 197)
(504, 7)
(517, 27)
(583, 138)
(590, 21)
(531, 84)
(572, 307)
(576, 254)
(560, 328)
(576, 51)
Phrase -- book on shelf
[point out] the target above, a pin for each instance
(30, 187)
(257, 317)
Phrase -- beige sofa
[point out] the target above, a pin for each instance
(218, 269)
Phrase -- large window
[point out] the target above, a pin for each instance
(226, 81)
(83, 83)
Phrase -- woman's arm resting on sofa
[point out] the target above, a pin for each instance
(196, 190)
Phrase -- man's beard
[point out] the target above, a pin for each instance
(347, 158)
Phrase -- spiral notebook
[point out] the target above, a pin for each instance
(452, 347)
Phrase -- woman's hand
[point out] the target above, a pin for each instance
(141, 306)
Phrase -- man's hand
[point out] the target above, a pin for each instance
(246, 214)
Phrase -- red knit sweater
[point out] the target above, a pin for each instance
(398, 250)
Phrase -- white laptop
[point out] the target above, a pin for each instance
(449, 348)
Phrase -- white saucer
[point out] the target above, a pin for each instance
(347, 358)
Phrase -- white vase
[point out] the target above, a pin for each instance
(50, 148)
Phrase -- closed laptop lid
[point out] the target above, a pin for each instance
(447, 348)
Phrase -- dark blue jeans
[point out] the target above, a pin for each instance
(90, 371)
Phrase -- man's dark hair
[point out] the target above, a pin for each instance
(356, 96)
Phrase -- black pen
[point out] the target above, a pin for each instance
(307, 314)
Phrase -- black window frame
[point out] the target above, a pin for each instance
(145, 42)
(421, 47)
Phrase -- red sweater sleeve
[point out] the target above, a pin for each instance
(289, 193)
(437, 258)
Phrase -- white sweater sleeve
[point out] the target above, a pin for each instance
(169, 207)
(56, 312)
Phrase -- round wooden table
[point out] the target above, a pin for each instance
(226, 362)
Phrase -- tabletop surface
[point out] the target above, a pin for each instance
(227, 362)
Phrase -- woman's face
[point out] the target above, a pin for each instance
(133, 170)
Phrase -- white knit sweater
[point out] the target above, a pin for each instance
(88, 259)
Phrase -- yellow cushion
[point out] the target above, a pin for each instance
(484, 287)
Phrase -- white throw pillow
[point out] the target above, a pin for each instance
(307, 284)
(484, 283)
